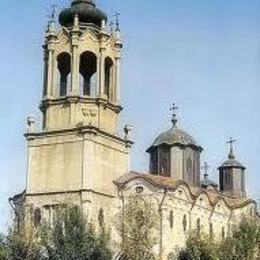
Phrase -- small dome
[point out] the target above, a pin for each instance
(86, 11)
(232, 162)
(175, 136)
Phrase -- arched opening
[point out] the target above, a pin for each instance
(64, 73)
(223, 233)
(88, 73)
(37, 217)
(108, 76)
(184, 223)
(198, 225)
(211, 232)
(171, 219)
(101, 218)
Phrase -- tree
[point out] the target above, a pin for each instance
(138, 227)
(199, 247)
(244, 242)
(3, 251)
(72, 238)
(23, 244)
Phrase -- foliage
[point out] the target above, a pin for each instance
(3, 250)
(71, 238)
(138, 226)
(23, 244)
(199, 247)
(243, 244)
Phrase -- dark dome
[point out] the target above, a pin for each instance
(86, 11)
(232, 163)
(174, 136)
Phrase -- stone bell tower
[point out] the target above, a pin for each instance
(78, 153)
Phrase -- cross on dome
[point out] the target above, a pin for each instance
(231, 143)
(206, 168)
(174, 108)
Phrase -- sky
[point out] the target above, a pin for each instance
(203, 55)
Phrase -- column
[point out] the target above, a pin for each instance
(45, 71)
(101, 73)
(49, 73)
(117, 80)
(74, 90)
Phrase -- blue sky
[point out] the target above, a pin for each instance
(203, 55)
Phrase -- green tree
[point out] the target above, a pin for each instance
(3, 251)
(244, 243)
(23, 244)
(199, 247)
(71, 238)
(138, 226)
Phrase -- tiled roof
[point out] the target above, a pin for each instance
(171, 184)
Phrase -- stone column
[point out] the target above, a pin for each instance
(50, 73)
(101, 72)
(117, 80)
(74, 90)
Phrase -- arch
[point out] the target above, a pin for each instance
(198, 225)
(108, 77)
(37, 217)
(88, 73)
(101, 218)
(171, 219)
(64, 72)
(184, 223)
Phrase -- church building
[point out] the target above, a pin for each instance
(78, 155)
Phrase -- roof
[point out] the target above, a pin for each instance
(169, 183)
(86, 11)
(208, 182)
(232, 163)
(175, 136)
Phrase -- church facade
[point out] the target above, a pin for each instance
(79, 157)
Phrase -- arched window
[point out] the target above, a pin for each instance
(211, 232)
(171, 219)
(37, 217)
(88, 73)
(198, 225)
(101, 217)
(223, 233)
(108, 76)
(64, 73)
(184, 223)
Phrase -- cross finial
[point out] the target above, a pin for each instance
(231, 143)
(111, 25)
(206, 168)
(117, 15)
(52, 15)
(174, 108)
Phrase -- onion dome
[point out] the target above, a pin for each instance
(232, 162)
(86, 11)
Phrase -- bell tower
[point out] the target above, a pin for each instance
(78, 153)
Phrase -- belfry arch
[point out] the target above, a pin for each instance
(88, 73)
(108, 77)
(64, 72)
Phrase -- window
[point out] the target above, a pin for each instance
(64, 73)
(164, 159)
(37, 217)
(108, 76)
(88, 72)
(101, 220)
(184, 223)
(211, 232)
(171, 219)
(198, 225)
(223, 233)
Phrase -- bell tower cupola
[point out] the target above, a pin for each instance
(176, 154)
(232, 174)
(81, 70)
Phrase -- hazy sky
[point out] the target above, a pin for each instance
(204, 55)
